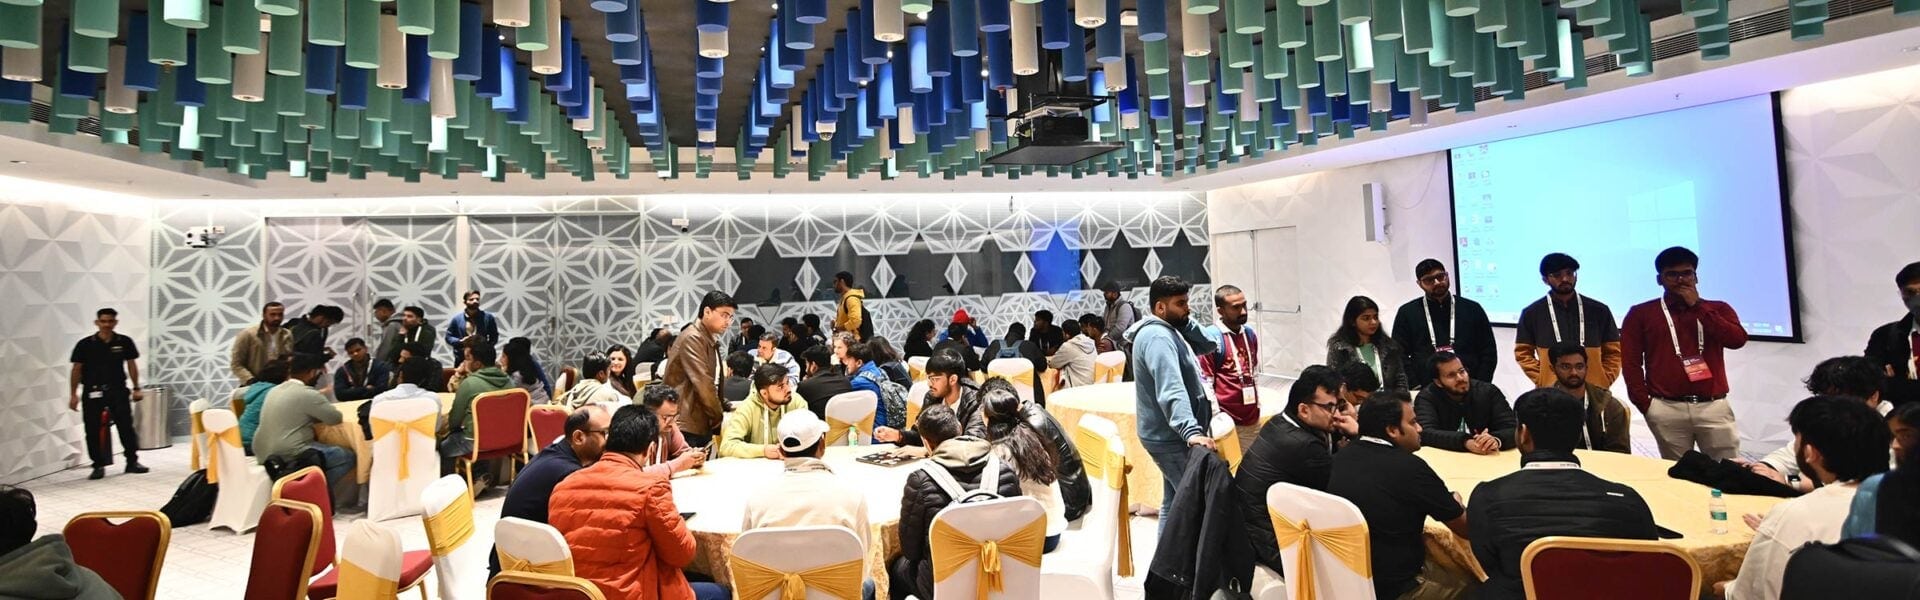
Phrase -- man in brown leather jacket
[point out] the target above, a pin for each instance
(693, 368)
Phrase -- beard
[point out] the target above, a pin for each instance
(1564, 288)
(1913, 306)
(1806, 470)
(1179, 322)
(1573, 382)
(1235, 322)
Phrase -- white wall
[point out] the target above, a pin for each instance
(1852, 150)
(64, 253)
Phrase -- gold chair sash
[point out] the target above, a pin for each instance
(361, 584)
(837, 429)
(916, 372)
(449, 529)
(753, 580)
(1107, 374)
(1023, 545)
(383, 427)
(1349, 544)
(913, 412)
(230, 437)
(199, 433)
(1229, 448)
(1097, 460)
(509, 562)
(1023, 378)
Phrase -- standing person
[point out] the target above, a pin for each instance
(1675, 366)
(360, 377)
(260, 344)
(693, 368)
(289, 414)
(1296, 447)
(1362, 339)
(1604, 426)
(920, 339)
(310, 332)
(851, 315)
(1120, 315)
(414, 333)
(1896, 346)
(1170, 400)
(1397, 492)
(1074, 362)
(822, 382)
(472, 325)
(1044, 334)
(97, 386)
(580, 444)
(749, 433)
(1440, 321)
(1235, 367)
(768, 352)
(388, 323)
(1460, 413)
(1566, 316)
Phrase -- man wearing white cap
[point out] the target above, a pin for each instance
(810, 495)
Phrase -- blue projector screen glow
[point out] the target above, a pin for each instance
(1615, 194)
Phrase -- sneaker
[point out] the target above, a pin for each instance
(136, 468)
(98, 472)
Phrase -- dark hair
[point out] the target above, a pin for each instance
(812, 322)
(1555, 352)
(1851, 437)
(882, 350)
(105, 312)
(1359, 376)
(626, 371)
(632, 429)
(1426, 267)
(845, 277)
(1673, 257)
(1007, 428)
(716, 299)
(593, 364)
(1069, 328)
(921, 329)
(307, 361)
(1110, 286)
(275, 372)
(1314, 377)
(860, 351)
(1557, 262)
(755, 331)
(1908, 413)
(746, 321)
(579, 419)
(957, 331)
(1165, 287)
(421, 371)
(520, 361)
(818, 355)
(1380, 412)
(767, 375)
(1908, 274)
(740, 364)
(483, 353)
(947, 362)
(937, 423)
(417, 349)
(355, 342)
(807, 451)
(330, 312)
(383, 303)
(768, 337)
(463, 297)
(1016, 332)
(1350, 333)
(1439, 358)
(418, 312)
(789, 322)
(1043, 315)
(271, 305)
(1221, 293)
(1552, 417)
(19, 518)
(656, 394)
(1094, 321)
(1855, 376)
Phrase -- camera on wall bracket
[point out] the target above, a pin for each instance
(204, 236)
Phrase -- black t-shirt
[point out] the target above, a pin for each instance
(104, 362)
(820, 388)
(1511, 512)
(1396, 491)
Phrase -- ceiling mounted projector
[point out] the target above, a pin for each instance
(1056, 132)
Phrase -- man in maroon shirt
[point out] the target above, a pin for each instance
(1675, 354)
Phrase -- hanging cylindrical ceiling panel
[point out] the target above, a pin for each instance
(20, 26)
(713, 44)
(186, 14)
(539, 32)
(995, 15)
(1056, 17)
(1026, 55)
(1326, 34)
(920, 81)
(285, 55)
(393, 54)
(166, 44)
(999, 60)
(512, 13)
(118, 99)
(322, 69)
(101, 18)
(240, 27)
(445, 41)
(889, 24)
(1196, 35)
(419, 72)
(249, 77)
(20, 64)
(963, 26)
(363, 34)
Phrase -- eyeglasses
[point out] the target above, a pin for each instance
(1681, 275)
(1434, 278)
(596, 432)
(1328, 406)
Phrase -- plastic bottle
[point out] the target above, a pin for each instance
(1717, 508)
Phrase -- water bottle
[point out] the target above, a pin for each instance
(1717, 508)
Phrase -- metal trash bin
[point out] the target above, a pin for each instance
(150, 418)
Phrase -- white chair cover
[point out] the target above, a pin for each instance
(1113, 364)
(916, 402)
(642, 373)
(463, 571)
(1083, 565)
(917, 367)
(244, 486)
(1016, 370)
(199, 438)
(854, 408)
(992, 520)
(388, 496)
(795, 549)
(375, 549)
(1332, 579)
(531, 541)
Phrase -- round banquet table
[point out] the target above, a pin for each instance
(717, 494)
(1677, 505)
(347, 433)
(1115, 401)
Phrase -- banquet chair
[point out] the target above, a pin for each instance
(642, 373)
(568, 377)
(283, 552)
(128, 555)
(372, 566)
(244, 486)
(309, 485)
(537, 586)
(1018, 371)
(1226, 440)
(1323, 545)
(449, 525)
(531, 546)
(499, 431)
(1109, 367)
(1083, 565)
(197, 436)
(964, 563)
(851, 411)
(917, 368)
(916, 401)
(405, 456)
(545, 423)
(238, 406)
(1578, 568)
(828, 561)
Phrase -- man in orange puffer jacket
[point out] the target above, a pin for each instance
(626, 534)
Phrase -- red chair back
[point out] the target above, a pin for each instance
(500, 420)
(1576, 568)
(548, 423)
(128, 554)
(309, 485)
(514, 585)
(284, 562)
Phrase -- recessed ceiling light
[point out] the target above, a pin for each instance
(19, 162)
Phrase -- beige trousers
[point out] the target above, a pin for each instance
(1680, 426)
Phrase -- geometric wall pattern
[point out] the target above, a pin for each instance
(351, 262)
(64, 253)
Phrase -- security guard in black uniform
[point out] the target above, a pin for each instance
(103, 363)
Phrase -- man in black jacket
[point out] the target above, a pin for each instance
(310, 332)
(1896, 346)
(1201, 535)
(1296, 447)
(1439, 321)
(1461, 414)
(965, 458)
(822, 383)
(948, 383)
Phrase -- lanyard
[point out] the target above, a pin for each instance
(1700, 332)
(1241, 359)
(1368, 438)
(1427, 311)
(1580, 312)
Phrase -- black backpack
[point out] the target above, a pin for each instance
(281, 467)
(866, 322)
(1866, 567)
(192, 502)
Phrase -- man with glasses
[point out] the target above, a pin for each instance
(672, 454)
(1562, 317)
(693, 367)
(1675, 354)
(1439, 321)
(1296, 447)
(585, 440)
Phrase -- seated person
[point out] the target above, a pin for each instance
(1462, 414)
(593, 388)
(584, 440)
(1840, 441)
(1297, 447)
(948, 383)
(360, 377)
(414, 377)
(749, 432)
(291, 411)
(516, 358)
(739, 380)
(1073, 362)
(408, 352)
(1016, 345)
(1016, 443)
(1360, 381)
(1550, 494)
(672, 454)
(865, 375)
(822, 382)
(1897, 489)
(956, 339)
(456, 439)
(1605, 425)
(1076, 494)
(1854, 377)
(963, 457)
(255, 395)
(1397, 492)
(808, 494)
(42, 569)
(620, 522)
(768, 352)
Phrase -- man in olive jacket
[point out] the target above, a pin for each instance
(693, 369)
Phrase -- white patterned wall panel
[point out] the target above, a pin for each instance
(599, 281)
(411, 262)
(513, 263)
(314, 261)
(202, 297)
(888, 230)
(806, 230)
(955, 228)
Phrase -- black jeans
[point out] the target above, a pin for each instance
(114, 408)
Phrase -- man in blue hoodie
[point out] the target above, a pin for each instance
(1171, 405)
